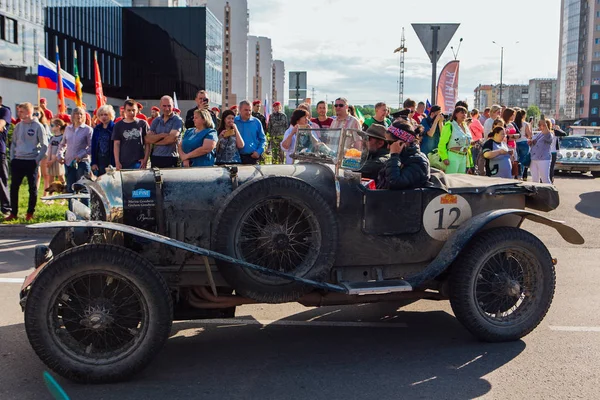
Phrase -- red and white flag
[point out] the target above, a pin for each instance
(447, 88)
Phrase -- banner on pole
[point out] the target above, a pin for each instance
(447, 88)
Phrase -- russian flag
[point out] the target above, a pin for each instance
(427, 108)
(47, 78)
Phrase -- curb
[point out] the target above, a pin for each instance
(22, 230)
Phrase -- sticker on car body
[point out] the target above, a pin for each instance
(444, 215)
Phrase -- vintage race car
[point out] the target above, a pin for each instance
(577, 154)
(190, 243)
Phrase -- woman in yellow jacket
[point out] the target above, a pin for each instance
(455, 140)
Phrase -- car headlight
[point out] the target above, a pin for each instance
(582, 153)
(597, 156)
(590, 155)
(559, 156)
(568, 154)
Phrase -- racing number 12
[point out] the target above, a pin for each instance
(453, 210)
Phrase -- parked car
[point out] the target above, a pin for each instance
(161, 245)
(577, 154)
(595, 140)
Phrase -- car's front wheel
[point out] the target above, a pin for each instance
(502, 284)
(596, 174)
(98, 313)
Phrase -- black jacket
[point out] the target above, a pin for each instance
(559, 133)
(375, 162)
(189, 118)
(407, 170)
(262, 120)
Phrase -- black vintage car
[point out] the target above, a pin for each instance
(191, 243)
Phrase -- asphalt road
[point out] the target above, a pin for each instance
(355, 352)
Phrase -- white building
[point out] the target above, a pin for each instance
(235, 19)
(260, 68)
(278, 82)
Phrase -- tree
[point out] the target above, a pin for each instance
(533, 111)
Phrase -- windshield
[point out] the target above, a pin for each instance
(593, 139)
(317, 145)
(324, 145)
(575, 143)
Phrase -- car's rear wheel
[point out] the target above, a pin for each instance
(502, 284)
(280, 223)
(98, 313)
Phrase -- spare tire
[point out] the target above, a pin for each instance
(280, 223)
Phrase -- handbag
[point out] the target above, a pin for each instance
(514, 171)
(435, 160)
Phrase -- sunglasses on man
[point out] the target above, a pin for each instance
(339, 105)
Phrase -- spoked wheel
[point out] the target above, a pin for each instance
(99, 316)
(281, 223)
(98, 313)
(279, 234)
(502, 285)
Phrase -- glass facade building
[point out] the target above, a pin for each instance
(168, 50)
(143, 52)
(568, 79)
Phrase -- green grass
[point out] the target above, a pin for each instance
(43, 212)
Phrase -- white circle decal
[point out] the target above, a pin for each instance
(444, 214)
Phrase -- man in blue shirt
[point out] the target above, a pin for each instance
(252, 132)
(433, 124)
(164, 133)
(4, 124)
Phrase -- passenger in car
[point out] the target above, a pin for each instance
(407, 167)
(378, 152)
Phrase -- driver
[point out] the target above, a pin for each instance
(378, 152)
(407, 167)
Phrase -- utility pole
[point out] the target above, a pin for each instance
(313, 94)
(501, 68)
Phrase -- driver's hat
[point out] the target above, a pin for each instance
(376, 131)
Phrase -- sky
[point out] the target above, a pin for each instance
(346, 46)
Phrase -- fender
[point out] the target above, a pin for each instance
(180, 245)
(465, 232)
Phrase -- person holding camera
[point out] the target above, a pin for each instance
(432, 124)
(455, 141)
(202, 103)
(407, 167)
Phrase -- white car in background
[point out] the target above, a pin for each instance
(577, 154)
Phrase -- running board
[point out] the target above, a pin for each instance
(376, 287)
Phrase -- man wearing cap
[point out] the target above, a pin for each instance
(164, 133)
(252, 132)
(407, 167)
(378, 118)
(121, 114)
(278, 123)
(5, 121)
(256, 114)
(202, 102)
(139, 114)
(47, 113)
(378, 152)
(432, 124)
(154, 113)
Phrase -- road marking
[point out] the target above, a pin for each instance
(470, 362)
(575, 328)
(266, 322)
(423, 381)
(323, 315)
(12, 280)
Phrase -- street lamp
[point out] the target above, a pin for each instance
(501, 65)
